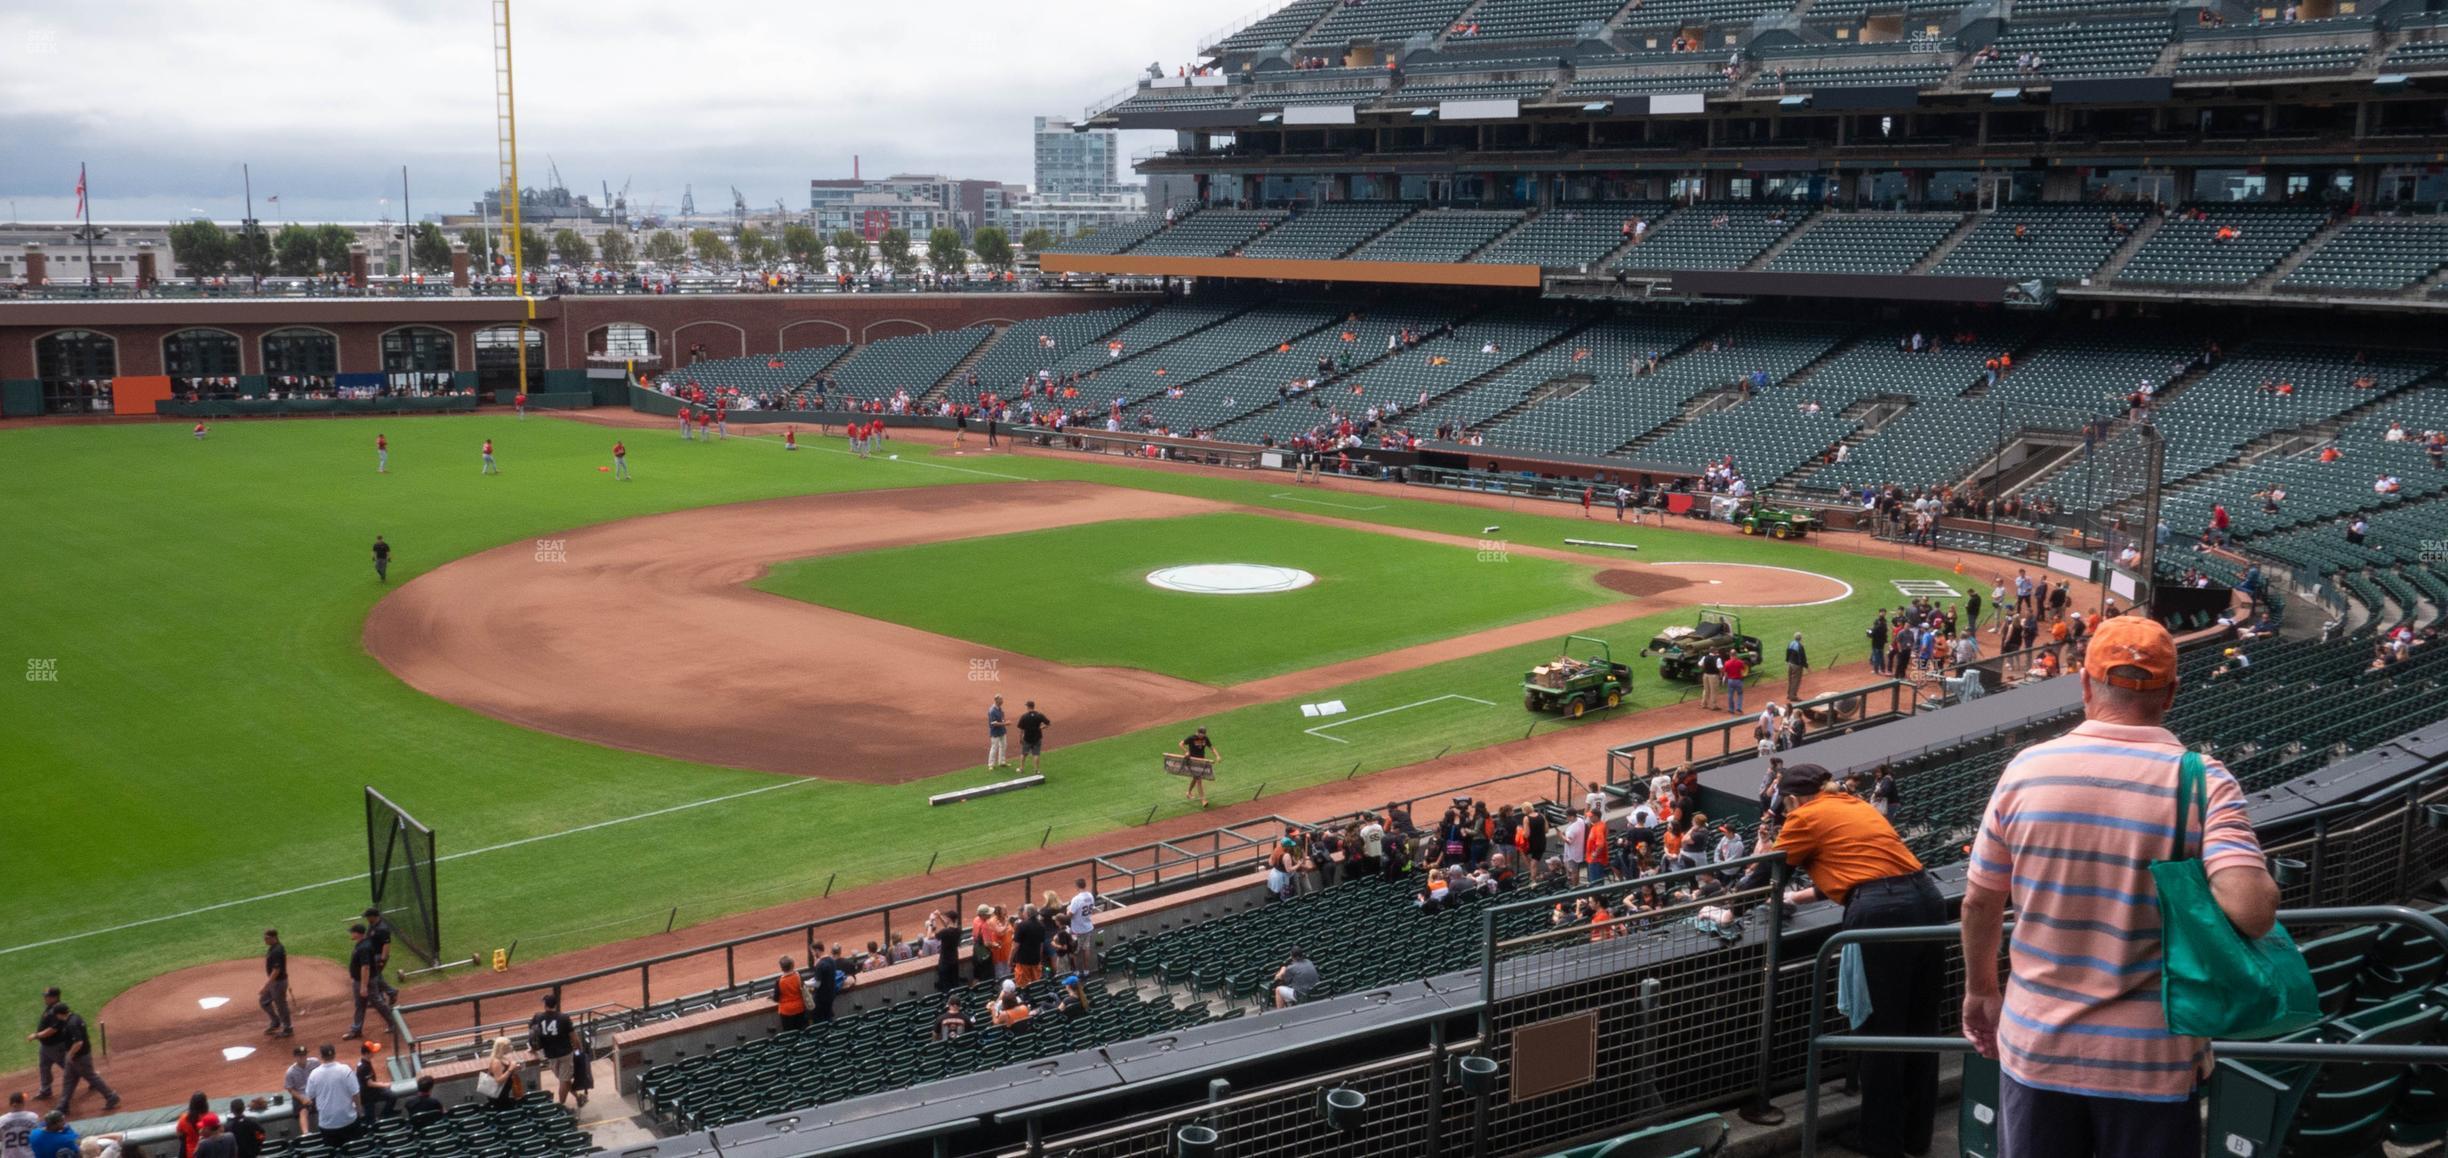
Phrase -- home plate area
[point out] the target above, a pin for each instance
(1321, 730)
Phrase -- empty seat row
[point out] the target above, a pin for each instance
(1539, 20)
(1572, 235)
(1209, 233)
(1711, 235)
(1875, 243)
(2374, 254)
(2270, 62)
(1439, 235)
(1328, 231)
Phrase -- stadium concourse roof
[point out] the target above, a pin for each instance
(1325, 64)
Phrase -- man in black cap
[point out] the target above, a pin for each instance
(365, 981)
(50, 1051)
(1856, 860)
(78, 1064)
(274, 998)
(379, 931)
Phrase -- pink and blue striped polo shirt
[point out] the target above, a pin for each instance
(2070, 834)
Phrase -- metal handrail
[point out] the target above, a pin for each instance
(1899, 706)
(1094, 867)
(2240, 1050)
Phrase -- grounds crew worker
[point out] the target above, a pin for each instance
(1856, 860)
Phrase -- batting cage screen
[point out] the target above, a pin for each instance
(400, 868)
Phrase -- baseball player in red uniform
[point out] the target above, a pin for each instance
(705, 424)
(620, 460)
(522, 404)
(382, 455)
(790, 438)
(199, 432)
(489, 468)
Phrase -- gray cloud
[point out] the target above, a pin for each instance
(327, 100)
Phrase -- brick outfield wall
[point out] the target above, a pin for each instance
(729, 326)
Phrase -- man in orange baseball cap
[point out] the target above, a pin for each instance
(2091, 1070)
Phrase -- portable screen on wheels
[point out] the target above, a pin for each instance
(400, 870)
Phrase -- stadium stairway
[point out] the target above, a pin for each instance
(2134, 242)
(1716, 400)
(1946, 245)
(2268, 281)
(943, 387)
(1575, 384)
(1786, 242)
(1444, 37)
(1500, 371)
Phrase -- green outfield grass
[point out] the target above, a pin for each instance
(1374, 593)
(193, 774)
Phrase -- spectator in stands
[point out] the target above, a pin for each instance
(1028, 947)
(55, 1139)
(423, 1101)
(953, 1023)
(332, 1090)
(190, 1122)
(1856, 860)
(1295, 981)
(1010, 1011)
(371, 1089)
(945, 932)
(246, 1133)
(2090, 1068)
(1082, 914)
(551, 1034)
(831, 974)
(502, 1066)
(790, 995)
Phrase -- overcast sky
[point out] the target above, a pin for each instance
(163, 99)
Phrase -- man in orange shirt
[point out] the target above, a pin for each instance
(1856, 860)
(790, 996)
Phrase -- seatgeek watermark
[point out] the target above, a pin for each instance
(985, 671)
(552, 551)
(42, 671)
(1495, 551)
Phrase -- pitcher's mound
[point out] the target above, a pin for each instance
(1632, 582)
(216, 1001)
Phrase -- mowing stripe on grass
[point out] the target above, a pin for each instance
(1293, 498)
(508, 844)
(1320, 730)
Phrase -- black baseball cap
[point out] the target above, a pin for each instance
(1802, 779)
(51, 992)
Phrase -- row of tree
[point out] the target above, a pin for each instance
(202, 248)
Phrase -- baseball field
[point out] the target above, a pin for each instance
(719, 685)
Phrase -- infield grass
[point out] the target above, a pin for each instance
(1374, 593)
(214, 714)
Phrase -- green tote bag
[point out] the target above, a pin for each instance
(2212, 982)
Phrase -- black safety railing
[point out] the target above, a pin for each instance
(1143, 444)
(2313, 1052)
(1119, 875)
(1733, 739)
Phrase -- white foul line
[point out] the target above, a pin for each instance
(1293, 498)
(930, 462)
(792, 783)
(1320, 730)
(1848, 588)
